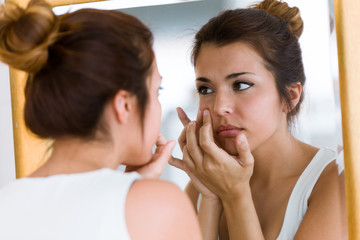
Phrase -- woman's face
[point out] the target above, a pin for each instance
(240, 93)
(143, 133)
(153, 111)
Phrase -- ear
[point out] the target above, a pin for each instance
(295, 91)
(123, 105)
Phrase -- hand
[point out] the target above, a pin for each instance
(224, 175)
(156, 165)
(185, 121)
(205, 192)
(200, 187)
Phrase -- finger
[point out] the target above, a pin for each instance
(207, 120)
(199, 122)
(180, 164)
(165, 152)
(175, 162)
(182, 116)
(192, 144)
(160, 140)
(188, 160)
(161, 158)
(199, 118)
(182, 139)
(206, 138)
(243, 149)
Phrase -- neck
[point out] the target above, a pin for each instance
(73, 155)
(281, 156)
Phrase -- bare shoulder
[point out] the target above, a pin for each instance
(326, 214)
(330, 186)
(160, 210)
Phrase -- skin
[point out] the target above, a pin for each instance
(147, 197)
(237, 153)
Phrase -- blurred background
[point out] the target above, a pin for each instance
(174, 24)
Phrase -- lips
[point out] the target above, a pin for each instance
(228, 131)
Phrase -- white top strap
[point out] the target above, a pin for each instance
(298, 201)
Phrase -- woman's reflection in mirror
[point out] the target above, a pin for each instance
(257, 181)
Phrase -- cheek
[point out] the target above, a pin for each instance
(263, 117)
(156, 120)
(261, 106)
(158, 115)
(205, 104)
(153, 120)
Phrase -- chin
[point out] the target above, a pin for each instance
(228, 146)
(232, 151)
(142, 159)
(147, 158)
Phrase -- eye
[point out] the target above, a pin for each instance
(241, 86)
(203, 90)
(160, 89)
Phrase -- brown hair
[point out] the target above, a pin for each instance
(272, 28)
(76, 62)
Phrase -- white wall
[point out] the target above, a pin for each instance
(7, 163)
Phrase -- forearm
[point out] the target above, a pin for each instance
(241, 217)
(208, 216)
(193, 194)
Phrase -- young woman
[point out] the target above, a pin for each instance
(256, 180)
(93, 88)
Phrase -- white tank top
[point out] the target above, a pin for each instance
(77, 206)
(298, 201)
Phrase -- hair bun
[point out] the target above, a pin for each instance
(281, 10)
(25, 34)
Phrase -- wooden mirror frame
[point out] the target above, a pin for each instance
(348, 34)
(347, 19)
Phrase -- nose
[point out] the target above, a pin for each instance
(224, 104)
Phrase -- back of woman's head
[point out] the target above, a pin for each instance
(272, 29)
(76, 62)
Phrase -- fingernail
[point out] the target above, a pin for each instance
(206, 112)
(241, 138)
(172, 143)
(192, 123)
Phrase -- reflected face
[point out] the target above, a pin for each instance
(240, 93)
(153, 111)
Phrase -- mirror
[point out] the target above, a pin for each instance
(174, 26)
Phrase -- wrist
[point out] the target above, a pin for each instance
(213, 199)
(242, 193)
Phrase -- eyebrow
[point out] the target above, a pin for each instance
(235, 75)
(228, 77)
